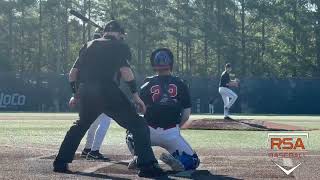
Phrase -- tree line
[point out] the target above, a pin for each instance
(261, 38)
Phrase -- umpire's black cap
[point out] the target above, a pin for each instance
(114, 26)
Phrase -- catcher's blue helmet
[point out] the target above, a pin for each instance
(161, 58)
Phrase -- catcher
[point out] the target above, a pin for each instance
(168, 105)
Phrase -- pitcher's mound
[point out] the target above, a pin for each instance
(241, 125)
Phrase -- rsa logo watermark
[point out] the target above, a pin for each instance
(287, 147)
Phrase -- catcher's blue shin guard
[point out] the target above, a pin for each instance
(190, 162)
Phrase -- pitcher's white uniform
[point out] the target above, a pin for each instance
(228, 96)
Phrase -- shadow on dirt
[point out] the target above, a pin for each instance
(202, 175)
(197, 175)
(99, 176)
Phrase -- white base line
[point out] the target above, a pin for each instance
(99, 166)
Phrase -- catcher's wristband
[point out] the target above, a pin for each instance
(73, 87)
(132, 86)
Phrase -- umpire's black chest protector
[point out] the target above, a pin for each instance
(102, 60)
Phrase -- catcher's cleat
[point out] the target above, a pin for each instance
(85, 152)
(151, 171)
(133, 164)
(174, 163)
(227, 118)
(61, 168)
(96, 155)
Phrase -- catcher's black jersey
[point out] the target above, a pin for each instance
(165, 98)
(224, 79)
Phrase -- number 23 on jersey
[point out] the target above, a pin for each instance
(156, 91)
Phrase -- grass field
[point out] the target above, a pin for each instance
(34, 130)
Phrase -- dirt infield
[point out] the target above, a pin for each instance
(241, 125)
(21, 163)
(29, 146)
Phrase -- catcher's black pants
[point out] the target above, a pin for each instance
(110, 100)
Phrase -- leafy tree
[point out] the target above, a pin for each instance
(264, 38)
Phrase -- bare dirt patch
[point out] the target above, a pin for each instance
(215, 164)
(241, 125)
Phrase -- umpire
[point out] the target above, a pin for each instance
(101, 61)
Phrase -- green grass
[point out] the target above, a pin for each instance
(48, 129)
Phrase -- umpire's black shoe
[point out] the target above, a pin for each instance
(227, 118)
(153, 170)
(61, 168)
(85, 152)
(96, 155)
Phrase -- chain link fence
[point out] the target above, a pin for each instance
(51, 92)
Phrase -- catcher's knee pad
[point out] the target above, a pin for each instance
(130, 142)
(190, 162)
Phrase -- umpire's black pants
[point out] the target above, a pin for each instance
(110, 100)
